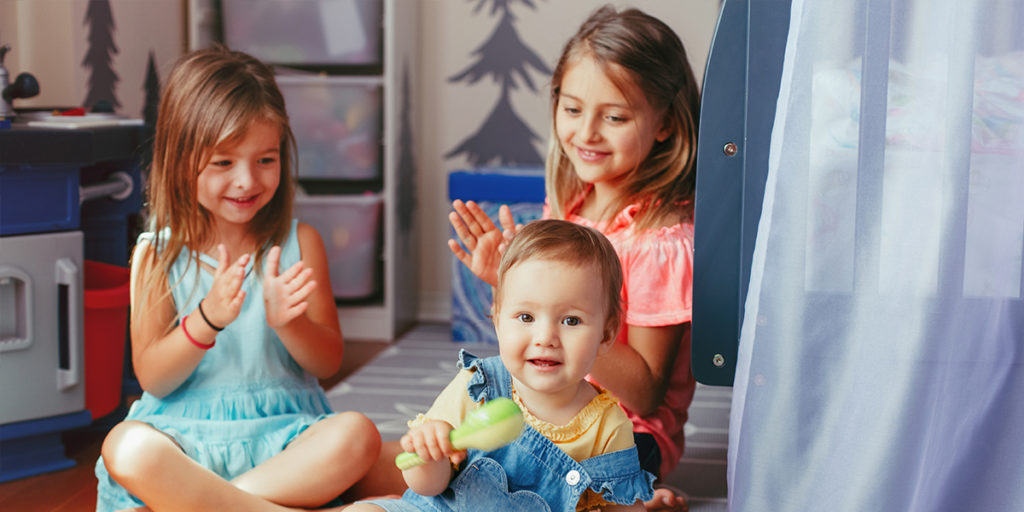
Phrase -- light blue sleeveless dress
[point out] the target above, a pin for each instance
(246, 400)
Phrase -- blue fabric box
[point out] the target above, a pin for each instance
(522, 189)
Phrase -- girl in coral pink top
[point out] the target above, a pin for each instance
(621, 160)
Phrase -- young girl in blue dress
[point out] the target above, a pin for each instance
(557, 307)
(233, 320)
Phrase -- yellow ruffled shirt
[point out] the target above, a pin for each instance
(600, 427)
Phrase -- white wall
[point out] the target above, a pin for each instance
(448, 112)
(48, 39)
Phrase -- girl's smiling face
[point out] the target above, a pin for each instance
(242, 176)
(605, 131)
(550, 322)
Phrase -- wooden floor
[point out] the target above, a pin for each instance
(74, 489)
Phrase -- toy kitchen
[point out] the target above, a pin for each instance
(70, 193)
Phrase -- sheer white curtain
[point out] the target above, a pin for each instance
(881, 358)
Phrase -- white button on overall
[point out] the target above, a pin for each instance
(572, 477)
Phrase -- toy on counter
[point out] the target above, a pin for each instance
(490, 427)
(24, 86)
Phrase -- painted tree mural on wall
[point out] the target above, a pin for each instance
(103, 80)
(503, 138)
(151, 87)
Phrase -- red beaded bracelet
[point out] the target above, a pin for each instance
(190, 338)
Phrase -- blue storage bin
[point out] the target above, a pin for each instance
(522, 189)
(38, 199)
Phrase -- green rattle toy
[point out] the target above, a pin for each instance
(490, 427)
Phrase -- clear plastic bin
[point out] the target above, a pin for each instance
(349, 226)
(337, 125)
(314, 32)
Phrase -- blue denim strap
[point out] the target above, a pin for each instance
(490, 379)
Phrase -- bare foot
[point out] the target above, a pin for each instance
(667, 500)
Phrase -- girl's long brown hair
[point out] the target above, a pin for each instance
(652, 59)
(211, 97)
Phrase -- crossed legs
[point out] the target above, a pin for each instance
(316, 467)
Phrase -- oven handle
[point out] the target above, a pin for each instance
(69, 283)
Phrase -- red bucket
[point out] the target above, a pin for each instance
(105, 326)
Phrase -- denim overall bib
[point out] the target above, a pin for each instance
(531, 474)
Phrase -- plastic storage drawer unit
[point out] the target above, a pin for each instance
(350, 228)
(336, 121)
(321, 32)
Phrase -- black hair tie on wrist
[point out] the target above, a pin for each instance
(207, 320)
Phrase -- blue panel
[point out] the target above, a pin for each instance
(717, 225)
(38, 199)
(740, 89)
(502, 185)
(768, 30)
(33, 447)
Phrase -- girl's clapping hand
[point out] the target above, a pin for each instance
(482, 239)
(222, 304)
(285, 294)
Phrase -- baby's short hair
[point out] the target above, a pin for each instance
(568, 242)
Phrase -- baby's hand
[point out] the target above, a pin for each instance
(431, 442)
(284, 294)
(224, 300)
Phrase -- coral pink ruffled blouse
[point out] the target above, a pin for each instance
(657, 267)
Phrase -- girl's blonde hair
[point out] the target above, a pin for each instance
(211, 97)
(564, 241)
(652, 59)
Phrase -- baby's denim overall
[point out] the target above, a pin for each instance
(531, 473)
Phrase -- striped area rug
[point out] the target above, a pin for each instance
(404, 379)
